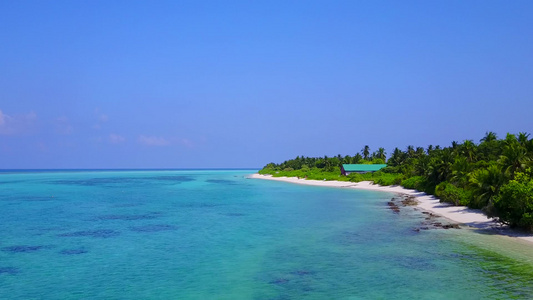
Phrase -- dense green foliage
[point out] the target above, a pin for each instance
(494, 175)
(514, 202)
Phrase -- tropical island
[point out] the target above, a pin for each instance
(494, 175)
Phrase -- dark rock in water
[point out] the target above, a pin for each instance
(430, 215)
(9, 271)
(102, 233)
(409, 201)
(279, 281)
(450, 226)
(22, 249)
(393, 206)
(438, 225)
(153, 228)
(73, 251)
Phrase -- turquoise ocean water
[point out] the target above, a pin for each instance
(218, 235)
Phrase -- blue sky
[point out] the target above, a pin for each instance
(199, 84)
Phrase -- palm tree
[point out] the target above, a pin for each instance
(440, 166)
(468, 149)
(356, 158)
(514, 158)
(486, 184)
(489, 137)
(510, 139)
(332, 163)
(419, 151)
(366, 152)
(341, 159)
(429, 149)
(454, 144)
(320, 163)
(523, 138)
(489, 147)
(381, 154)
(460, 170)
(422, 165)
(396, 158)
(347, 159)
(327, 162)
(410, 151)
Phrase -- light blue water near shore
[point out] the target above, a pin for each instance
(217, 235)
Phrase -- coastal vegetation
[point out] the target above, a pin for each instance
(495, 175)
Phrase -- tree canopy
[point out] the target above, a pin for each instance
(495, 175)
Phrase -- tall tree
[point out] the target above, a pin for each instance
(381, 154)
(397, 158)
(514, 158)
(486, 184)
(489, 137)
(514, 203)
(440, 166)
(468, 150)
(523, 138)
(419, 152)
(429, 149)
(454, 144)
(460, 170)
(489, 147)
(410, 151)
(366, 152)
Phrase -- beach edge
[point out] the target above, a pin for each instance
(459, 214)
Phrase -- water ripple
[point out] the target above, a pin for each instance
(101, 233)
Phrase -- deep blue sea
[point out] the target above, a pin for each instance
(218, 235)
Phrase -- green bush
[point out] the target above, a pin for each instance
(388, 179)
(358, 177)
(419, 183)
(314, 173)
(266, 171)
(449, 193)
(414, 182)
(514, 202)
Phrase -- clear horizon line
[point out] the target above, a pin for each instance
(121, 169)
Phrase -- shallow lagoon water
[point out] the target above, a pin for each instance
(218, 235)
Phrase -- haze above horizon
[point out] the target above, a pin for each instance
(239, 84)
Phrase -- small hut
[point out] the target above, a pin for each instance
(347, 169)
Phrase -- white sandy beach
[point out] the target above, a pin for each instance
(459, 214)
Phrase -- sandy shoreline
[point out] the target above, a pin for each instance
(458, 214)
